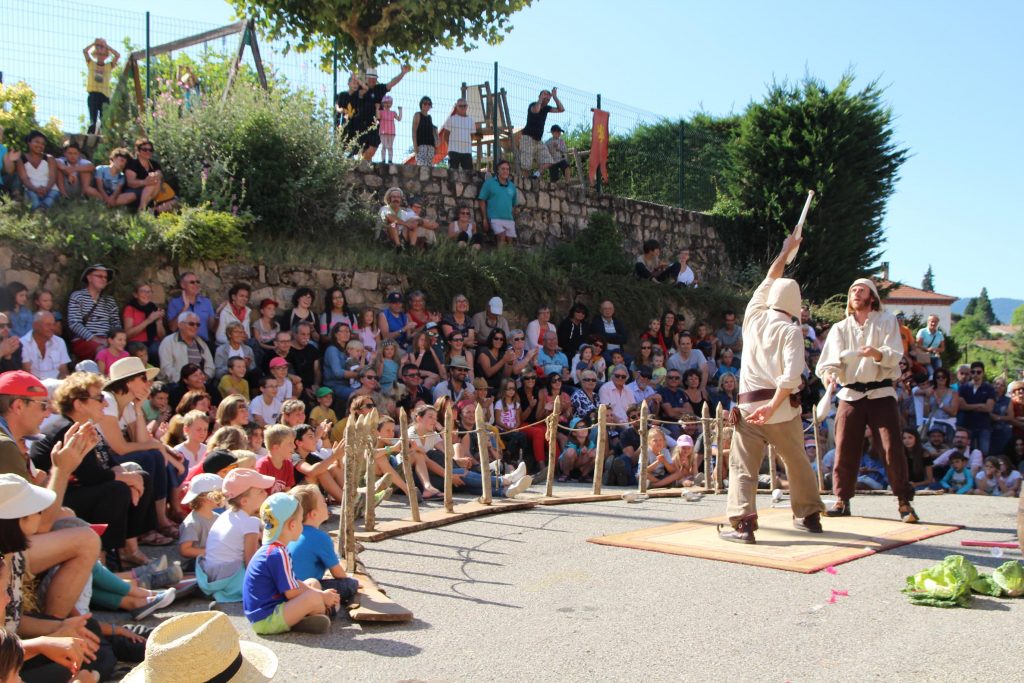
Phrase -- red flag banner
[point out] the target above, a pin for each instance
(599, 145)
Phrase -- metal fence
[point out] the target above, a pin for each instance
(41, 43)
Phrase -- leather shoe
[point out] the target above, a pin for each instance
(841, 508)
(907, 514)
(811, 523)
(741, 532)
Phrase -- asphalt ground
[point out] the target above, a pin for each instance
(521, 596)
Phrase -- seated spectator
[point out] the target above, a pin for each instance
(92, 314)
(38, 172)
(109, 180)
(582, 361)
(572, 331)
(144, 179)
(144, 319)
(397, 225)
(300, 312)
(726, 394)
(642, 389)
(234, 381)
(192, 300)
(313, 553)
(337, 310)
(608, 326)
(114, 351)
(585, 399)
(1009, 479)
(74, 173)
(559, 155)
(686, 276)
(459, 320)
(541, 325)
(508, 418)
(987, 481)
(494, 359)
(490, 319)
(234, 346)
(425, 356)
(424, 233)
(663, 468)
(266, 327)
(576, 461)
(15, 305)
(42, 300)
(457, 386)
(183, 347)
(615, 395)
(463, 229)
(688, 358)
(919, 461)
(649, 266)
(550, 359)
(394, 322)
(266, 408)
(961, 445)
(234, 310)
(728, 364)
(43, 353)
(958, 479)
(730, 334)
(233, 411)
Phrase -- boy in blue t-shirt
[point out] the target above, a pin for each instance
(273, 599)
(110, 180)
(313, 553)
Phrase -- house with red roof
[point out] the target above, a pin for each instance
(913, 301)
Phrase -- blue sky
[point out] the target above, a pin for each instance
(952, 75)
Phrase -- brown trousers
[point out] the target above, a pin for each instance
(747, 453)
(882, 416)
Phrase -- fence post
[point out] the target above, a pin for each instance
(817, 453)
(449, 453)
(148, 69)
(369, 513)
(705, 424)
(597, 177)
(410, 483)
(494, 124)
(641, 462)
(721, 463)
(485, 456)
(682, 152)
(602, 446)
(552, 435)
(335, 116)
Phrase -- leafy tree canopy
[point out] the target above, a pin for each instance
(1018, 316)
(369, 30)
(836, 141)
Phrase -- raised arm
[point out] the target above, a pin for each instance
(558, 103)
(397, 79)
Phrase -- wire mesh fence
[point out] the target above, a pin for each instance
(41, 43)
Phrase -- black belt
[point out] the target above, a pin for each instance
(869, 386)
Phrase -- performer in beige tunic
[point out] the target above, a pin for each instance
(862, 353)
(773, 361)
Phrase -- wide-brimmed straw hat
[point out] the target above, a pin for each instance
(129, 367)
(202, 646)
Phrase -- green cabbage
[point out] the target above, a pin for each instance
(947, 584)
(1010, 578)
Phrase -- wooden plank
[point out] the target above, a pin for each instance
(569, 498)
(438, 517)
(189, 41)
(257, 59)
(374, 605)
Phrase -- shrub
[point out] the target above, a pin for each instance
(18, 117)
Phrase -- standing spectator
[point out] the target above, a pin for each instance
(906, 336)
(559, 154)
(144, 320)
(345, 108)
(387, 117)
(541, 325)
(531, 148)
(730, 335)
(572, 331)
(608, 326)
(184, 347)
(368, 102)
(424, 133)
(933, 341)
(92, 314)
(977, 399)
(234, 310)
(38, 172)
(192, 301)
(43, 353)
(98, 75)
(458, 132)
(497, 198)
(487, 320)
(1002, 420)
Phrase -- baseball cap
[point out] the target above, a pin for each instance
(218, 460)
(274, 512)
(685, 440)
(202, 483)
(278, 362)
(87, 365)
(18, 498)
(22, 384)
(242, 479)
(387, 98)
(394, 298)
(496, 305)
(557, 128)
(324, 391)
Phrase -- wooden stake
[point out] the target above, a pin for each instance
(705, 423)
(449, 454)
(552, 436)
(410, 483)
(641, 472)
(371, 484)
(346, 493)
(485, 458)
(721, 462)
(817, 454)
(602, 446)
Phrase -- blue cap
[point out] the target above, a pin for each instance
(275, 511)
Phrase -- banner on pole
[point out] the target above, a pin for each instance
(599, 145)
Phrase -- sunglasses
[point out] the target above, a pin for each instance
(5, 326)
(456, 339)
(531, 378)
(145, 149)
(191, 324)
(555, 380)
(587, 379)
(645, 348)
(618, 376)
(977, 372)
(373, 377)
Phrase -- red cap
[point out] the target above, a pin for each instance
(22, 384)
(267, 302)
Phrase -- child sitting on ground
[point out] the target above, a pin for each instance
(958, 479)
(114, 351)
(234, 382)
(277, 463)
(234, 537)
(312, 466)
(273, 599)
(1009, 479)
(323, 410)
(196, 427)
(254, 434)
(203, 498)
(313, 552)
(579, 453)
(987, 481)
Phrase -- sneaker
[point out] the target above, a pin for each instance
(381, 496)
(158, 601)
(163, 578)
(811, 523)
(741, 532)
(520, 486)
(214, 606)
(515, 475)
(185, 588)
(314, 623)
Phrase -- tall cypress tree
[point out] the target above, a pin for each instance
(928, 283)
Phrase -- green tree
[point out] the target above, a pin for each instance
(1018, 316)
(928, 283)
(983, 308)
(368, 30)
(837, 141)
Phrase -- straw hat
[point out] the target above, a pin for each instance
(129, 367)
(202, 646)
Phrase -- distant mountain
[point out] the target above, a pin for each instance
(1003, 308)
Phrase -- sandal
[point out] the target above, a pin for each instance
(433, 495)
(170, 531)
(155, 538)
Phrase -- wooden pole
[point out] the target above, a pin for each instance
(369, 448)
(602, 447)
(721, 463)
(817, 453)
(346, 493)
(705, 423)
(552, 437)
(449, 454)
(774, 479)
(485, 459)
(641, 472)
(410, 483)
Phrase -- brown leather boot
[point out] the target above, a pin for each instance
(742, 530)
(810, 523)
